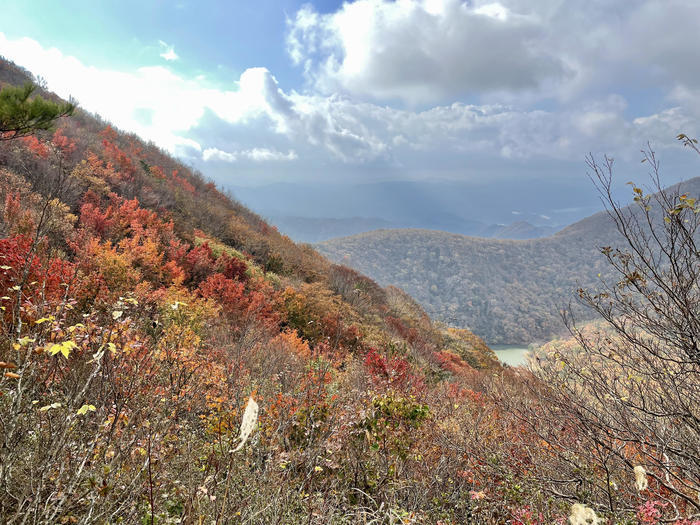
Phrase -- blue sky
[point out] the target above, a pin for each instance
(218, 39)
(480, 90)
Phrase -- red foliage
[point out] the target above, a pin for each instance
(199, 263)
(527, 516)
(14, 253)
(182, 182)
(650, 511)
(36, 146)
(454, 363)
(20, 266)
(395, 372)
(232, 267)
(63, 143)
(96, 220)
(157, 172)
(122, 217)
(241, 305)
(339, 335)
(13, 207)
(115, 155)
(407, 333)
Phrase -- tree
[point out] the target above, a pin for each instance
(632, 387)
(21, 115)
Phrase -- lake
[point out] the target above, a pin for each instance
(513, 355)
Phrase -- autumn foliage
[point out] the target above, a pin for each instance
(142, 308)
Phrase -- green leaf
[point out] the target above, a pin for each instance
(22, 114)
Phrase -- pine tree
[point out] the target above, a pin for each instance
(21, 115)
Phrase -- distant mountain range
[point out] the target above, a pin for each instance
(314, 212)
(319, 229)
(505, 291)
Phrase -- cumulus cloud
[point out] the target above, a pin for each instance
(258, 123)
(428, 51)
(168, 52)
(216, 154)
(255, 155)
(421, 50)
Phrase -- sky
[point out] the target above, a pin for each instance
(281, 90)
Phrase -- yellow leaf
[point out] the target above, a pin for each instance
(64, 348)
(49, 407)
(44, 319)
(85, 408)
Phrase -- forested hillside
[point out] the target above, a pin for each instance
(168, 357)
(506, 291)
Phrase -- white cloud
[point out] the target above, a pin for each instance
(264, 154)
(421, 50)
(257, 123)
(255, 155)
(216, 154)
(141, 101)
(168, 51)
(429, 51)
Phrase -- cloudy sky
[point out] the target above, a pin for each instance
(281, 90)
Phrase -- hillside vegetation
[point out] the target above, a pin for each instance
(506, 291)
(167, 357)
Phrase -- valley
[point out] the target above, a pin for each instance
(506, 291)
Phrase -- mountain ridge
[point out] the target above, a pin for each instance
(483, 283)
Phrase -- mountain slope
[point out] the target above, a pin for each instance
(505, 291)
(140, 308)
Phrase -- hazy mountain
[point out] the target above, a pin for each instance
(319, 229)
(506, 291)
(521, 210)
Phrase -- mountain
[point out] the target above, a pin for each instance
(319, 229)
(520, 210)
(520, 230)
(315, 229)
(167, 356)
(505, 291)
(141, 307)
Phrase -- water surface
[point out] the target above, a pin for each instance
(513, 355)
